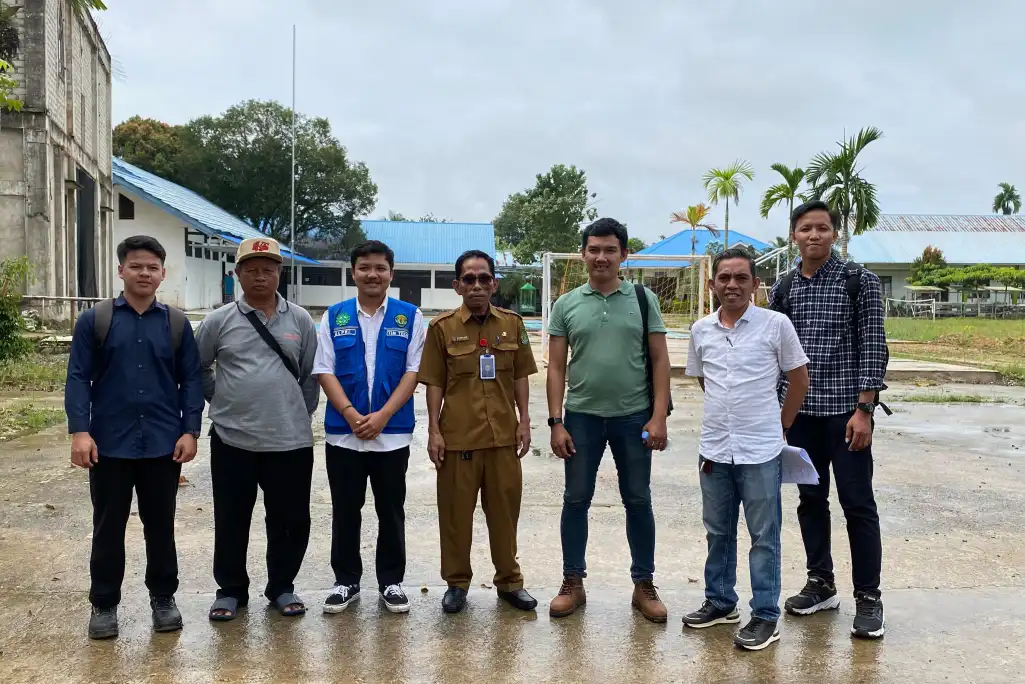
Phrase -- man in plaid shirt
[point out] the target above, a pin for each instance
(837, 310)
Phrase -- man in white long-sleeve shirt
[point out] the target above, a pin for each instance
(367, 362)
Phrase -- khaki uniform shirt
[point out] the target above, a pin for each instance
(477, 414)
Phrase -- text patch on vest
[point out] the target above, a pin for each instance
(343, 332)
(396, 332)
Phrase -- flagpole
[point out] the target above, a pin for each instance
(291, 246)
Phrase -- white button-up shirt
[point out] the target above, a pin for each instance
(370, 328)
(741, 367)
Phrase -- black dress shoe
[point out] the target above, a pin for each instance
(454, 600)
(103, 623)
(519, 598)
(166, 616)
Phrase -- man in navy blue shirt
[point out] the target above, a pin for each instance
(135, 405)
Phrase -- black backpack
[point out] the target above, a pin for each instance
(101, 328)
(852, 283)
(642, 301)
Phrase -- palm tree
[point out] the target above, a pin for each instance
(787, 191)
(723, 184)
(1007, 201)
(836, 178)
(694, 217)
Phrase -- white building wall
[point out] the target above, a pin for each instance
(190, 282)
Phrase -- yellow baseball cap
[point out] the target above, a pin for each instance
(258, 247)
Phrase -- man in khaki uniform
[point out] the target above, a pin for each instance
(475, 364)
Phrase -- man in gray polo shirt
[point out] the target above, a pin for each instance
(257, 357)
(610, 402)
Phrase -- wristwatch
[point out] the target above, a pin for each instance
(552, 422)
(867, 406)
(195, 435)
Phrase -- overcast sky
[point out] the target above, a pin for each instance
(455, 104)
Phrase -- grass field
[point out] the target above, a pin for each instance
(24, 418)
(35, 373)
(987, 343)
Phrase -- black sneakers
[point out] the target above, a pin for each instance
(341, 597)
(868, 622)
(166, 616)
(103, 623)
(394, 599)
(708, 615)
(756, 634)
(817, 595)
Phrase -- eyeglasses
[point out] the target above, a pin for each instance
(485, 279)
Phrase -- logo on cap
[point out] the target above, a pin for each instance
(401, 320)
(261, 246)
(341, 319)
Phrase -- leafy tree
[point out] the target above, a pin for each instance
(242, 161)
(82, 5)
(7, 85)
(15, 274)
(713, 247)
(725, 184)
(152, 145)
(10, 41)
(1007, 201)
(431, 218)
(931, 260)
(785, 192)
(836, 178)
(695, 218)
(394, 216)
(635, 245)
(547, 217)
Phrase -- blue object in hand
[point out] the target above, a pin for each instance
(644, 436)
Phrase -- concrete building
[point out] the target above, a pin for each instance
(55, 170)
(425, 256)
(898, 239)
(200, 238)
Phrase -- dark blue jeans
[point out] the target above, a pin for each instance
(633, 462)
(722, 491)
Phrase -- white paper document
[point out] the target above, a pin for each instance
(797, 467)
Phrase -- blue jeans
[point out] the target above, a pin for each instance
(722, 491)
(633, 462)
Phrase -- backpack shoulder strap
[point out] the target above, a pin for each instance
(104, 312)
(176, 318)
(852, 274)
(642, 301)
(781, 302)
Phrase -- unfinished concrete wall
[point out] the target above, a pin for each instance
(64, 129)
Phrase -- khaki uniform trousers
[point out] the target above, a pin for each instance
(496, 473)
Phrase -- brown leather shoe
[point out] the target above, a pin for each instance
(571, 596)
(646, 600)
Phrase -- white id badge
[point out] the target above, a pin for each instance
(487, 367)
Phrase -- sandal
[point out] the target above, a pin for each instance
(288, 599)
(226, 603)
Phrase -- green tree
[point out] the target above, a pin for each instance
(546, 217)
(1007, 201)
(7, 85)
(431, 218)
(10, 40)
(725, 184)
(836, 178)
(713, 247)
(152, 145)
(15, 274)
(931, 260)
(82, 5)
(242, 160)
(635, 245)
(784, 193)
(394, 216)
(695, 218)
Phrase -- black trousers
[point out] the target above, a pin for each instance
(285, 478)
(823, 437)
(111, 481)
(347, 472)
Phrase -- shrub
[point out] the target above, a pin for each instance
(14, 275)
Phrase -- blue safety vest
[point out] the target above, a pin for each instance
(351, 366)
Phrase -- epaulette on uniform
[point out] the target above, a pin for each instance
(442, 316)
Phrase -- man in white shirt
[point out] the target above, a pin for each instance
(737, 353)
(367, 363)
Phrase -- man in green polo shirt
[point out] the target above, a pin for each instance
(609, 403)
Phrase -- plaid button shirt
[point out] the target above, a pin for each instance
(847, 353)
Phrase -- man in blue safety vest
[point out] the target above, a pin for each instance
(367, 363)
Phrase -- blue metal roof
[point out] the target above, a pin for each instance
(416, 242)
(969, 247)
(985, 223)
(679, 244)
(193, 209)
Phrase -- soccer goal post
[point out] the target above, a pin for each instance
(679, 281)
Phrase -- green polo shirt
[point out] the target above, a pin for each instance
(606, 369)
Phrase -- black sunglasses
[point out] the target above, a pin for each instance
(484, 279)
